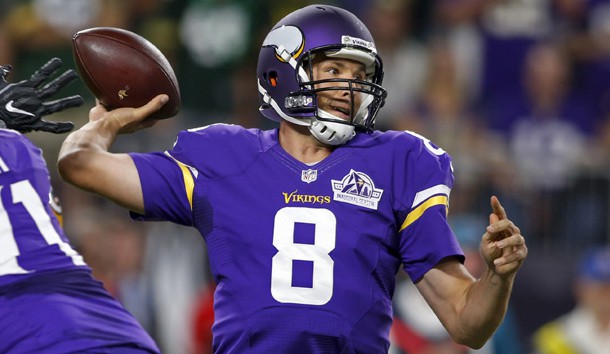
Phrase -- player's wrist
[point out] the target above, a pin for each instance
(95, 135)
(496, 279)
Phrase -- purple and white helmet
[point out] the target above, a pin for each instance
(284, 71)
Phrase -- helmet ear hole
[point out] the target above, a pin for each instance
(272, 78)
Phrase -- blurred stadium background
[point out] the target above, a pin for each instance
(517, 91)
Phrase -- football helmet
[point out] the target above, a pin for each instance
(286, 84)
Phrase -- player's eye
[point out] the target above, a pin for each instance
(333, 71)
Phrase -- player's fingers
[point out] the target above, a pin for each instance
(503, 225)
(493, 218)
(61, 104)
(498, 232)
(497, 208)
(53, 127)
(516, 254)
(59, 82)
(4, 71)
(45, 71)
(152, 106)
(514, 240)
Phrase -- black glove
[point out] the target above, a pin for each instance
(22, 104)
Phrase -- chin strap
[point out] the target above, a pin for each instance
(363, 113)
(331, 133)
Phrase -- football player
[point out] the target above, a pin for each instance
(49, 302)
(307, 225)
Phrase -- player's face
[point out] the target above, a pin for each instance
(338, 102)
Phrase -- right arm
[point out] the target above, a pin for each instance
(84, 159)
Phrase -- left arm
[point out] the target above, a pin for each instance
(472, 309)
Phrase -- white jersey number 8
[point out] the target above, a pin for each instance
(325, 225)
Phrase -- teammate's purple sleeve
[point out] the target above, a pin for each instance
(49, 302)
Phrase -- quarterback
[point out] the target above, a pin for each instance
(307, 225)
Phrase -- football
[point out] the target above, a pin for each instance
(124, 69)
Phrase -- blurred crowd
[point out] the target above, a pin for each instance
(516, 91)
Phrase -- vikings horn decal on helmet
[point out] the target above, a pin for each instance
(285, 81)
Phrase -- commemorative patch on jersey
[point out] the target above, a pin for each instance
(357, 188)
(309, 176)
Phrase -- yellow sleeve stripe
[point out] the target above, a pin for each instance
(59, 217)
(187, 176)
(189, 182)
(417, 212)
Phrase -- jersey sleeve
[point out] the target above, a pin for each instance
(167, 187)
(425, 237)
(199, 155)
(19, 155)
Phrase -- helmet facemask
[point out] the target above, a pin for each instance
(364, 95)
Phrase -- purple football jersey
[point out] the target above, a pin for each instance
(49, 302)
(304, 256)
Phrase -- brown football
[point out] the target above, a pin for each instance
(123, 69)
